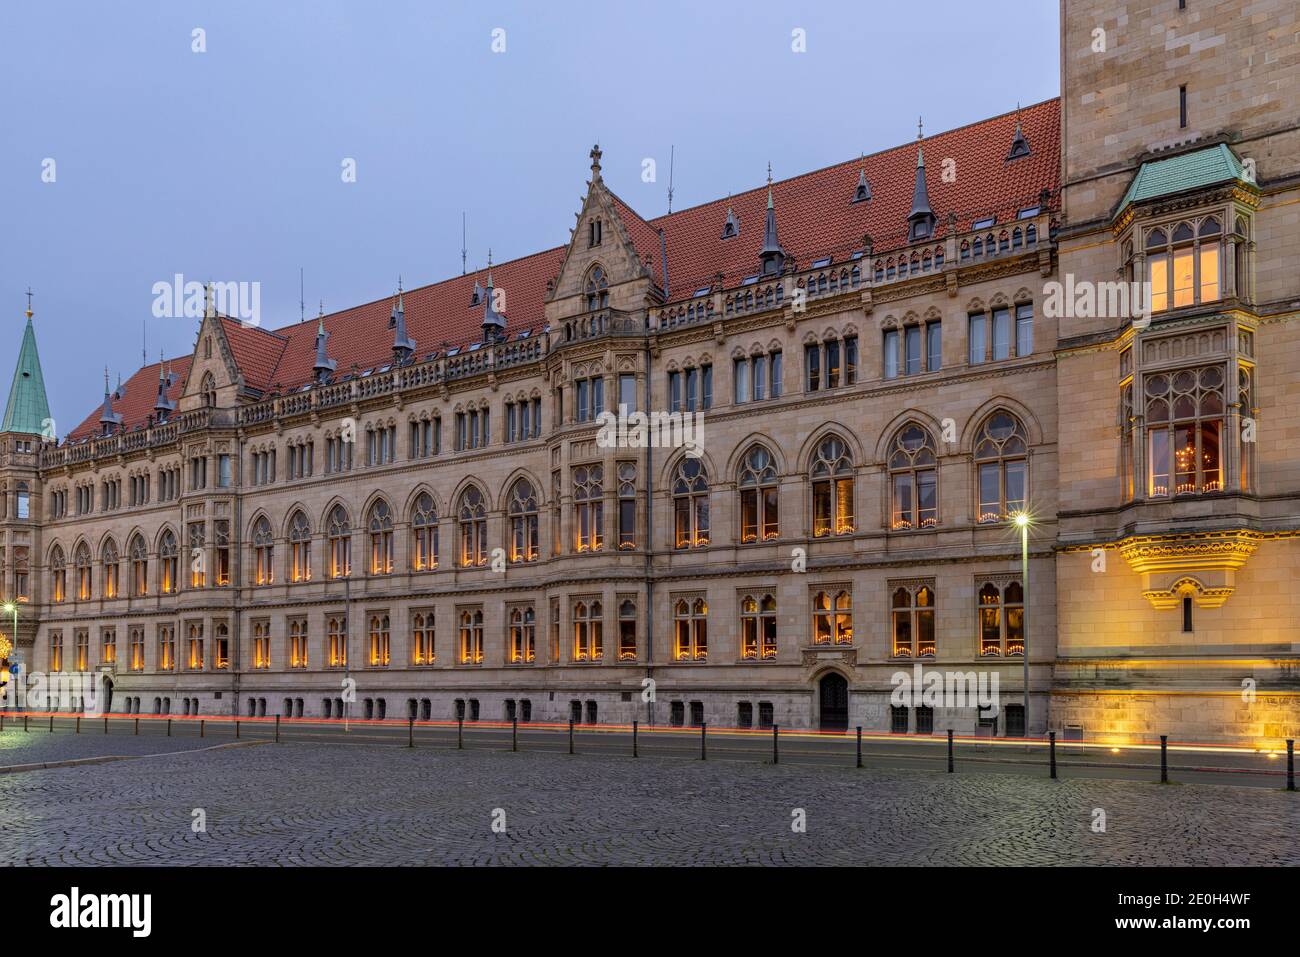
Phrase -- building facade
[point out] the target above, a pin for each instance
(853, 381)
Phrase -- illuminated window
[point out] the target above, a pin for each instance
(261, 644)
(263, 553)
(336, 641)
(914, 480)
(424, 533)
(1001, 467)
(523, 635)
(626, 505)
(194, 647)
(832, 618)
(167, 563)
(81, 558)
(758, 628)
(381, 539)
(81, 649)
(1184, 264)
(471, 637)
(758, 496)
(135, 641)
(380, 638)
(299, 548)
(1184, 422)
(198, 555)
(588, 631)
(690, 504)
(339, 532)
(832, 489)
(221, 551)
(221, 646)
(139, 567)
(589, 508)
(58, 575)
(422, 652)
(627, 631)
(109, 559)
(56, 651)
(298, 643)
(691, 630)
(166, 648)
(912, 609)
(473, 528)
(1002, 620)
(523, 522)
(108, 646)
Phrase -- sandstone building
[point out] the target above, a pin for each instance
(415, 495)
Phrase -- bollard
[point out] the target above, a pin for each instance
(776, 754)
(950, 750)
(201, 727)
(634, 754)
(24, 722)
(169, 727)
(137, 726)
(106, 724)
(277, 729)
(859, 745)
(514, 733)
(236, 728)
(2, 720)
(570, 735)
(410, 732)
(1290, 764)
(460, 732)
(704, 754)
(78, 724)
(51, 722)
(1164, 759)
(1051, 739)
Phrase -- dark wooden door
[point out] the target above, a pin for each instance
(834, 703)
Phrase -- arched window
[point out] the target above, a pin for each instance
(108, 556)
(523, 522)
(758, 628)
(589, 508)
(471, 637)
(58, 576)
(336, 641)
(473, 528)
(758, 496)
(691, 630)
(690, 504)
(913, 621)
(1184, 422)
(523, 635)
(588, 631)
(168, 580)
(380, 633)
(1183, 266)
(139, 567)
(1002, 467)
(597, 289)
(381, 539)
(424, 533)
(422, 634)
(913, 479)
(298, 643)
(209, 389)
(339, 532)
(263, 553)
(299, 548)
(832, 489)
(832, 618)
(81, 558)
(1002, 620)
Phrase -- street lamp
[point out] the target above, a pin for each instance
(1023, 521)
(12, 606)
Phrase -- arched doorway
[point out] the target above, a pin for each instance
(834, 692)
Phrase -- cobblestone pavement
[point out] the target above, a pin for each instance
(297, 804)
(40, 747)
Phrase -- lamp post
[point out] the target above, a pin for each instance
(1022, 522)
(12, 607)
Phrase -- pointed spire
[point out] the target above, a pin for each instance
(209, 302)
(1019, 144)
(109, 418)
(921, 219)
(28, 409)
(494, 324)
(324, 365)
(862, 191)
(163, 405)
(403, 345)
(772, 256)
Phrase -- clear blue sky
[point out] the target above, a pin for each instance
(226, 164)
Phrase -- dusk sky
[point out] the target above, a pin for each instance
(227, 164)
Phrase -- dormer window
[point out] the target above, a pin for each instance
(593, 233)
(730, 228)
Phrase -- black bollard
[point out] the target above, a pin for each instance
(859, 745)
(704, 755)
(776, 753)
(78, 724)
(634, 754)
(201, 727)
(514, 732)
(950, 750)
(137, 726)
(570, 735)
(410, 732)
(169, 727)
(236, 728)
(1290, 764)
(277, 729)
(460, 732)
(1164, 759)
(106, 724)
(1051, 739)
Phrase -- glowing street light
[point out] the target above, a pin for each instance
(1023, 521)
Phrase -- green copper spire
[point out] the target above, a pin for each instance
(28, 410)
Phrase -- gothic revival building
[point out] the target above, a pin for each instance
(417, 493)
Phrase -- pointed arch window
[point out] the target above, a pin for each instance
(690, 504)
(627, 630)
(422, 634)
(1002, 619)
(381, 539)
(424, 533)
(209, 389)
(81, 559)
(1002, 467)
(914, 481)
(380, 641)
(263, 553)
(691, 630)
(298, 643)
(758, 628)
(473, 528)
(913, 621)
(588, 631)
(58, 576)
(523, 635)
(523, 522)
(109, 559)
(589, 508)
(758, 496)
(168, 571)
(832, 618)
(139, 567)
(1184, 423)
(339, 532)
(597, 287)
(299, 548)
(832, 489)
(471, 637)
(336, 641)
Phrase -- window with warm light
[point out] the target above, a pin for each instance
(912, 612)
(758, 628)
(1002, 467)
(135, 641)
(627, 630)
(336, 641)
(472, 515)
(626, 506)
(471, 637)
(139, 567)
(523, 522)
(198, 555)
(338, 531)
(56, 651)
(832, 618)
(913, 479)
(523, 635)
(299, 548)
(424, 533)
(81, 649)
(690, 504)
(168, 560)
(195, 657)
(1184, 264)
(588, 631)
(166, 648)
(759, 496)
(263, 553)
(108, 646)
(589, 508)
(1001, 619)
(691, 630)
(261, 644)
(832, 489)
(381, 539)
(221, 646)
(221, 552)
(422, 652)
(1184, 426)
(81, 558)
(298, 643)
(58, 576)
(380, 641)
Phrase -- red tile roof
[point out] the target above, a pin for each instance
(815, 218)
